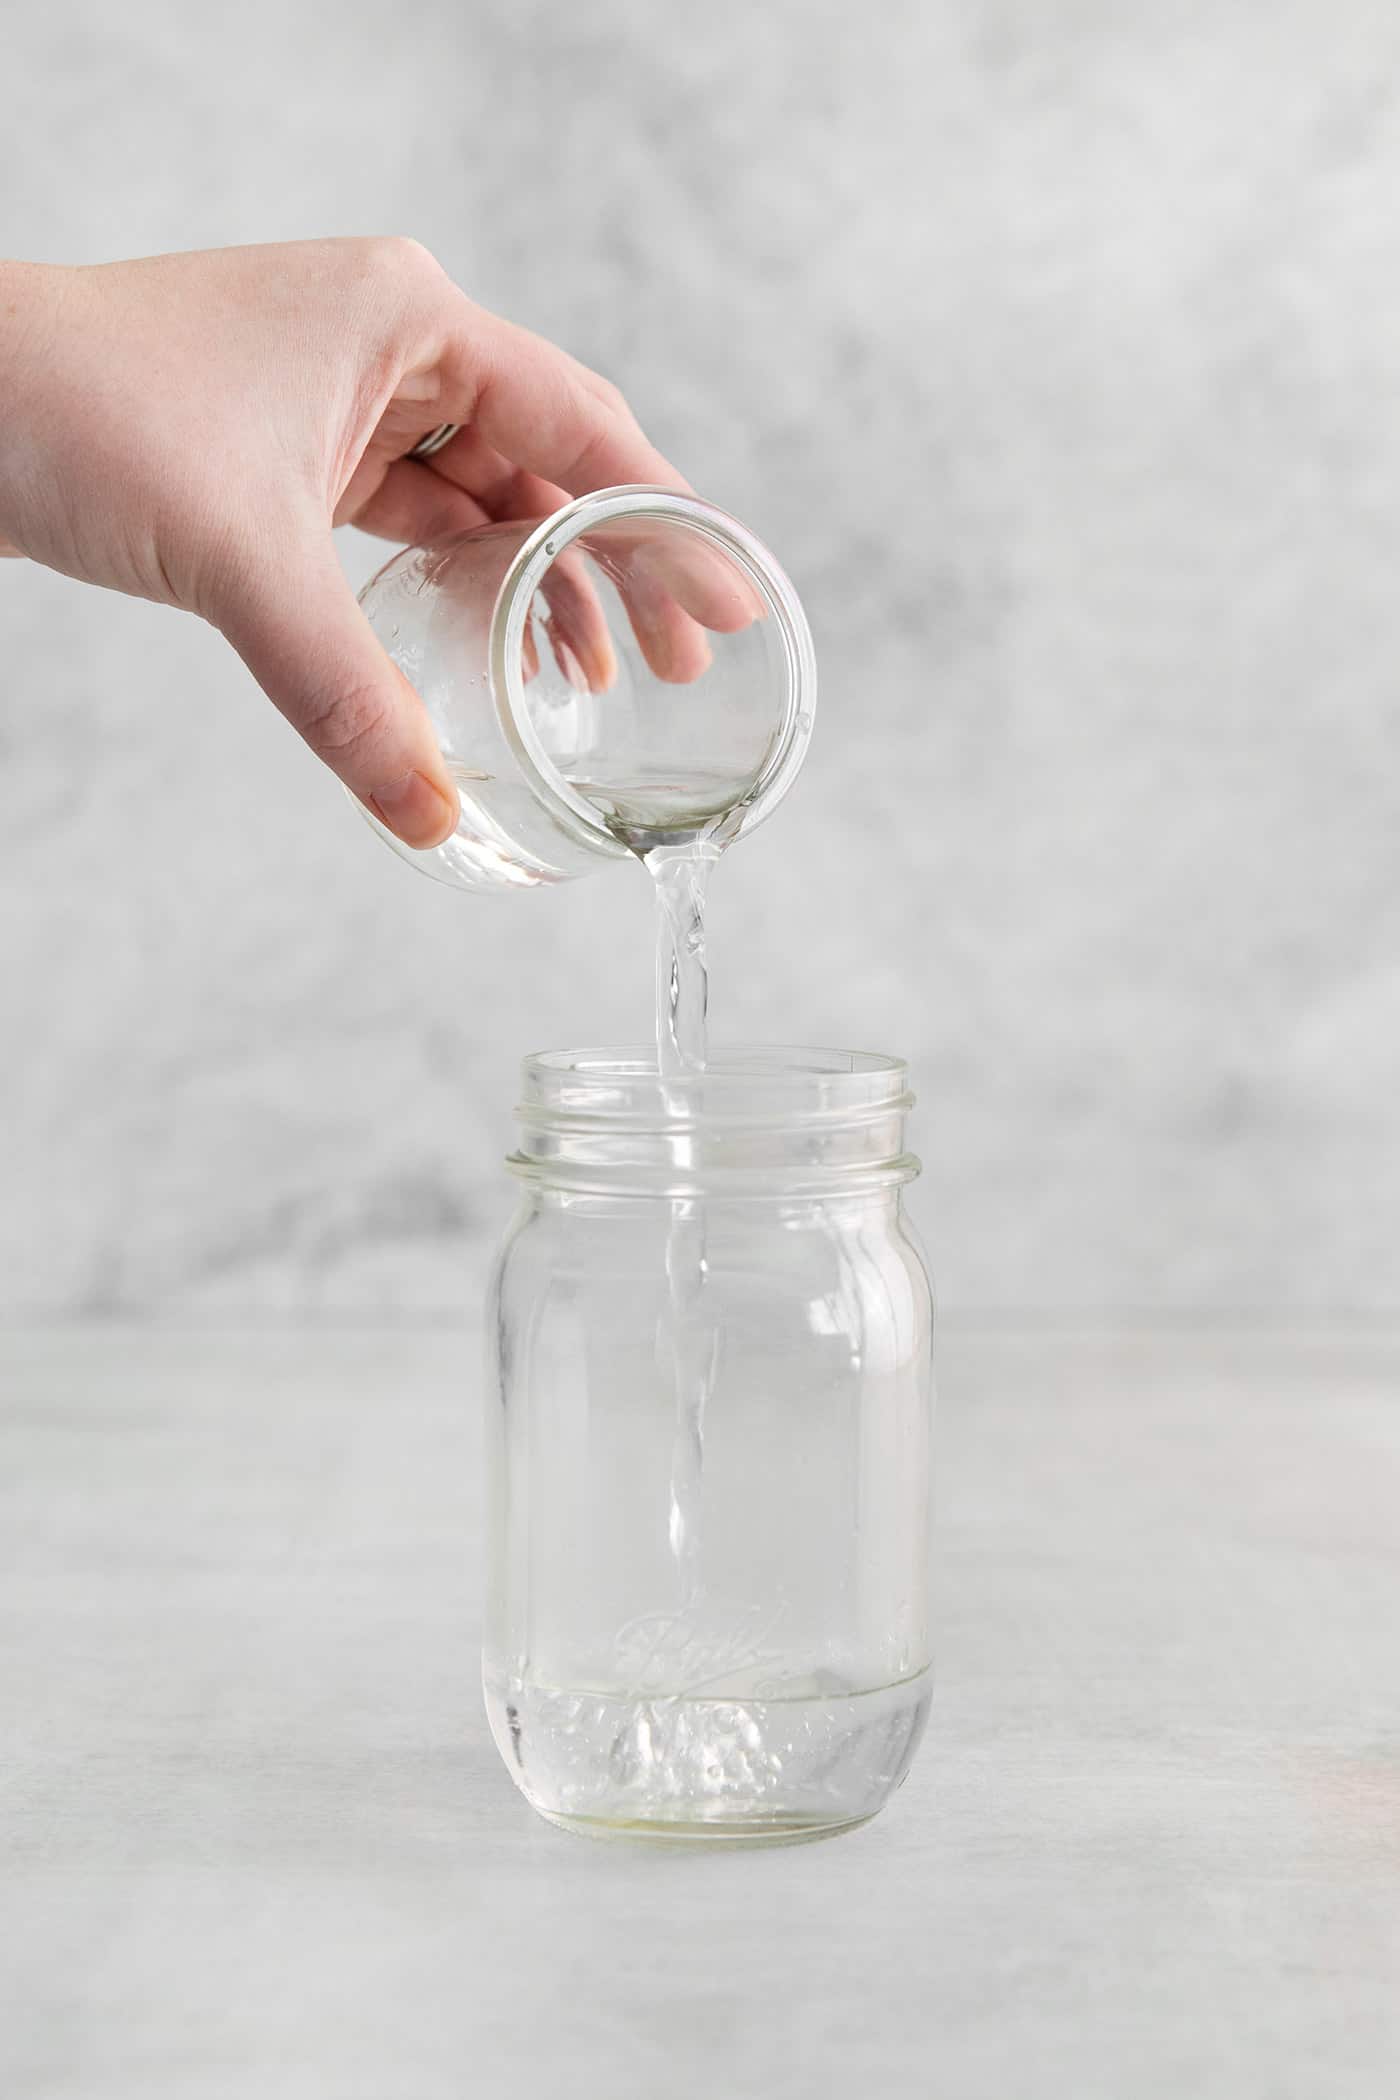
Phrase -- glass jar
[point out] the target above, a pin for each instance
(708, 1447)
(633, 671)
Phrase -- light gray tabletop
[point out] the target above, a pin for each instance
(255, 1841)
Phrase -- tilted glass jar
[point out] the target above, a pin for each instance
(708, 1447)
(633, 669)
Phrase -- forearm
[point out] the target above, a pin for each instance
(32, 296)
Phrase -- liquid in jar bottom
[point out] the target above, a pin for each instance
(741, 1770)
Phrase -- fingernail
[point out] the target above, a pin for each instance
(416, 810)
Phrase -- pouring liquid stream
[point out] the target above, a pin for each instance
(678, 831)
(690, 1339)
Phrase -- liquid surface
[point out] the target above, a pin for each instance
(688, 805)
(820, 1758)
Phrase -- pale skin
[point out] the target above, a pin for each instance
(190, 428)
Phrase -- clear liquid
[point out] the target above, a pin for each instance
(691, 804)
(688, 1344)
(687, 1352)
(819, 1758)
(682, 878)
(677, 828)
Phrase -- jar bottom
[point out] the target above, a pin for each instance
(741, 1836)
(736, 1770)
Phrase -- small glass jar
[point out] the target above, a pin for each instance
(633, 671)
(708, 1447)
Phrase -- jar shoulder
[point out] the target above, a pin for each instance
(868, 1253)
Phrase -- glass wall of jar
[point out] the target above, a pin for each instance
(634, 667)
(708, 1447)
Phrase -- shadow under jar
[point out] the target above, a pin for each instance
(708, 1447)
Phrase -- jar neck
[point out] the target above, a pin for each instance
(765, 1125)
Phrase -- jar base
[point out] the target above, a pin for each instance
(688, 1770)
(739, 1836)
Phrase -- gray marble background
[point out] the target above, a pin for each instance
(1056, 351)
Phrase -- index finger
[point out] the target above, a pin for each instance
(543, 410)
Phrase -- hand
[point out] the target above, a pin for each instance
(189, 428)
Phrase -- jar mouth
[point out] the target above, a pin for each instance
(747, 1082)
(575, 812)
(779, 1120)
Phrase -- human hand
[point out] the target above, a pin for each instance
(188, 428)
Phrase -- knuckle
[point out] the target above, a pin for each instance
(401, 256)
(342, 724)
(593, 387)
(611, 396)
(395, 262)
(594, 430)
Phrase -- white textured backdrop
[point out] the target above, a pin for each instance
(1056, 351)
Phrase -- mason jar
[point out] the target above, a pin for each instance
(708, 1447)
(633, 670)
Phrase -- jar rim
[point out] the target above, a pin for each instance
(741, 1080)
(578, 816)
(727, 1061)
(757, 1122)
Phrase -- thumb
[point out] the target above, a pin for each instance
(312, 651)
